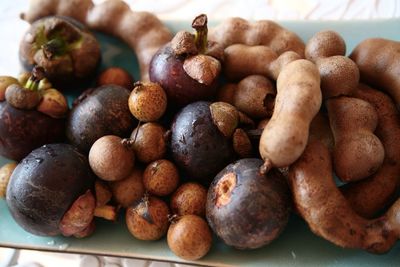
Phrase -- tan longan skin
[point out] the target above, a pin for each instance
(149, 142)
(129, 190)
(157, 211)
(110, 160)
(161, 177)
(190, 237)
(189, 198)
(5, 174)
(147, 101)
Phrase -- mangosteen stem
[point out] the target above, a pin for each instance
(200, 25)
(53, 47)
(36, 76)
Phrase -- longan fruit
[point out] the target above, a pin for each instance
(110, 159)
(148, 142)
(161, 177)
(128, 190)
(189, 198)
(189, 237)
(5, 174)
(147, 101)
(148, 220)
(117, 76)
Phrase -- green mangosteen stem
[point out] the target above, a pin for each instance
(34, 80)
(56, 46)
(200, 25)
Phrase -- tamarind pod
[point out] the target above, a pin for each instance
(297, 101)
(142, 31)
(339, 74)
(242, 60)
(327, 211)
(321, 130)
(379, 63)
(371, 195)
(263, 32)
(77, 9)
(358, 152)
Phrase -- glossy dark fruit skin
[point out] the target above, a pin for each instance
(257, 209)
(21, 131)
(103, 111)
(45, 184)
(197, 146)
(167, 69)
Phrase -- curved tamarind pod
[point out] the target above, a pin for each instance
(379, 63)
(358, 152)
(263, 32)
(142, 31)
(339, 74)
(326, 210)
(371, 195)
(321, 130)
(242, 60)
(297, 101)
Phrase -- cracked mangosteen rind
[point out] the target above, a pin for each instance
(246, 209)
(45, 184)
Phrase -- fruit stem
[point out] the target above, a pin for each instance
(53, 47)
(34, 80)
(200, 25)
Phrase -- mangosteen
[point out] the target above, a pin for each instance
(197, 145)
(188, 67)
(99, 112)
(246, 209)
(52, 181)
(64, 47)
(31, 115)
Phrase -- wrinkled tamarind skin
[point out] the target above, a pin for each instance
(327, 211)
(263, 32)
(142, 31)
(371, 195)
(379, 63)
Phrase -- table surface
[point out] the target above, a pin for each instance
(12, 28)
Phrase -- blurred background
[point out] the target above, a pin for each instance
(12, 28)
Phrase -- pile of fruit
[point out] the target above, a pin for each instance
(225, 132)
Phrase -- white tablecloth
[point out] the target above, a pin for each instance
(12, 28)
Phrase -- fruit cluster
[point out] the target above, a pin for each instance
(224, 133)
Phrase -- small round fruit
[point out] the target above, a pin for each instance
(45, 184)
(149, 219)
(197, 146)
(117, 76)
(129, 190)
(246, 209)
(190, 237)
(99, 112)
(161, 177)
(147, 101)
(148, 142)
(5, 81)
(5, 174)
(189, 198)
(110, 159)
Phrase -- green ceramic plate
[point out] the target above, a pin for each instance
(297, 246)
